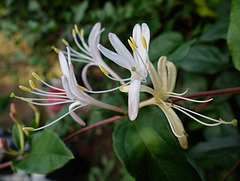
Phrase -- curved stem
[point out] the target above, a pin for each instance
(230, 171)
(92, 126)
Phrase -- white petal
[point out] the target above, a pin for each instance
(162, 72)
(172, 75)
(121, 50)
(65, 84)
(114, 57)
(133, 99)
(146, 33)
(63, 64)
(137, 33)
(74, 115)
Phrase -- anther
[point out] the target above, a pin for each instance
(32, 85)
(26, 100)
(35, 76)
(28, 129)
(144, 43)
(24, 88)
(82, 88)
(171, 102)
(65, 42)
(73, 33)
(133, 42)
(82, 32)
(103, 70)
(76, 28)
(131, 45)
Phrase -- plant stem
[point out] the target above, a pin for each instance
(210, 93)
(106, 121)
(230, 171)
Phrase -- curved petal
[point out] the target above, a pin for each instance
(65, 84)
(172, 76)
(63, 64)
(74, 115)
(121, 50)
(84, 76)
(146, 33)
(133, 99)
(114, 57)
(176, 125)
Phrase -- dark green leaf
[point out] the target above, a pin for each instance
(149, 150)
(218, 146)
(205, 59)
(164, 44)
(181, 52)
(47, 153)
(233, 37)
(15, 134)
(79, 11)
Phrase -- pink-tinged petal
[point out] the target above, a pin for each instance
(146, 33)
(65, 84)
(84, 76)
(74, 115)
(114, 57)
(121, 50)
(63, 64)
(133, 99)
(93, 42)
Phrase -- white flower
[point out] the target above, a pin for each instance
(71, 93)
(163, 84)
(88, 54)
(137, 63)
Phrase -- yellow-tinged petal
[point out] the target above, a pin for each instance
(124, 88)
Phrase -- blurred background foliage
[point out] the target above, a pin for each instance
(192, 33)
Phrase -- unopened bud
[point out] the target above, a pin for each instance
(4, 145)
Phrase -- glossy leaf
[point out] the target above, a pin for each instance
(164, 44)
(205, 59)
(148, 149)
(233, 37)
(47, 153)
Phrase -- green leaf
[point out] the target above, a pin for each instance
(79, 11)
(164, 44)
(218, 146)
(205, 59)
(15, 134)
(181, 52)
(233, 37)
(148, 149)
(47, 153)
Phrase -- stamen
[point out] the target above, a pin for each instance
(35, 76)
(26, 99)
(144, 43)
(103, 70)
(133, 42)
(185, 134)
(131, 45)
(171, 102)
(192, 100)
(82, 88)
(65, 42)
(12, 95)
(28, 129)
(177, 94)
(164, 103)
(82, 32)
(57, 119)
(55, 49)
(73, 33)
(24, 88)
(32, 85)
(76, 28)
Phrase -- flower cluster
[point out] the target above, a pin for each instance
(137, 62)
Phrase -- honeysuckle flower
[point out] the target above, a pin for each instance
(71, 93)
(163, 84)
(137, 63)
(89, 53)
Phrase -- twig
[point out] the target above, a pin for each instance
(92, 126)
(210, 93)
(230, 171)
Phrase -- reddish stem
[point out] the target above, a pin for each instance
(210, 93)
(106, 121)
(230, 171)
